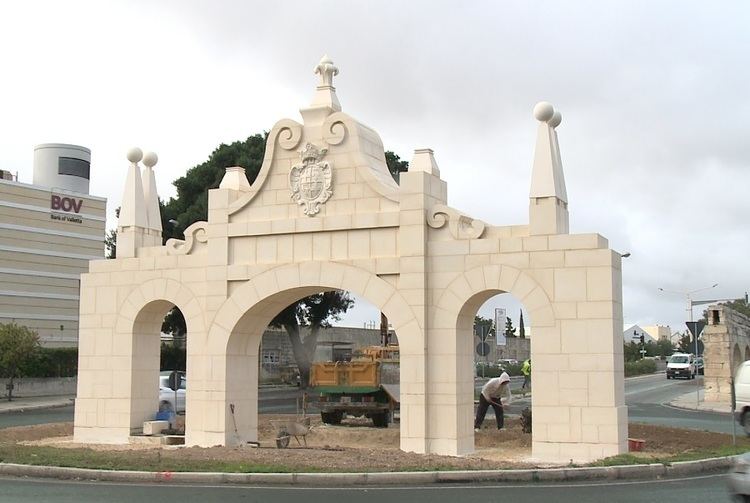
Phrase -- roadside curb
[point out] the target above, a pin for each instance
(621, 472)
(23, 408)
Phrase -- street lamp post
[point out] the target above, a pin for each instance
(690, 304)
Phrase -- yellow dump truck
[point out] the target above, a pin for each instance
(368, 385)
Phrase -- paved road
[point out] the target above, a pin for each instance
(644, 396)
(702, 489)
(272, 400)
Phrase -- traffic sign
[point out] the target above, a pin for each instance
(696, 327)
(483, 349)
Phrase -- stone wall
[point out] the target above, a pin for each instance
(41, 386)
(726, 339)
(515, 348)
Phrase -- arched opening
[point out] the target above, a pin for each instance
(153, 396)
(229, 388)
(334, 393)
(455, 313)
(505, 354)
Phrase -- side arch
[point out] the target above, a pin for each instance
(135, 352)
(234, 336)
(479, 284)
(453, 320)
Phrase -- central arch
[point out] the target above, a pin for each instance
(228, 373)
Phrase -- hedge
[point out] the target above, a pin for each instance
(645, 366)
(51, 362)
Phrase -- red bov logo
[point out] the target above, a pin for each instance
(66, 204)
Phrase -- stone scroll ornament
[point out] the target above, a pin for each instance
(194, 235)
(310, 181)
(460, 225)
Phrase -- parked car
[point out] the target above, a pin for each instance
(681, 365)
(699, 364)
(167, 395)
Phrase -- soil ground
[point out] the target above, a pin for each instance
(356, 446)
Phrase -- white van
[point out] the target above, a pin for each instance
(742, 395)
(681, 365)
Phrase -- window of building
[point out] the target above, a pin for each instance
(270, 357)
(73, 167)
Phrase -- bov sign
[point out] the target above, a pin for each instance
(66, 204)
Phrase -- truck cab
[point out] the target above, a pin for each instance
(681, 365)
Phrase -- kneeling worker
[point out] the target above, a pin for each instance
(495, 392)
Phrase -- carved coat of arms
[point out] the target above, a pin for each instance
(311, 181)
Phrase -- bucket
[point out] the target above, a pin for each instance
(635, 444)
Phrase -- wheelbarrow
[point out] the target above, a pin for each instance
(287, 428)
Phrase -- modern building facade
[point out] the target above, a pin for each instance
(49, 230)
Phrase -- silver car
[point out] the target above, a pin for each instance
(168, 396)
(739, 477)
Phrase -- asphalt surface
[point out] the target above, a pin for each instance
(645, 397)
(711, 488)
(648, 397)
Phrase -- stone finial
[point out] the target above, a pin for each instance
(548, 198)
(327, 70)
(133, 208)
(150, 194)
(325, 101)
(547, 179)
(424, 160)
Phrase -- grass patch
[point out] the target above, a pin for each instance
(151, 461)
(632, 459)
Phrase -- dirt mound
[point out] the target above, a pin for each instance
(352, 446)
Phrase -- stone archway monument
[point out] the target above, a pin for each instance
(324, 213)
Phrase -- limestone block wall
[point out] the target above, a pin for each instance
(570, 285)
(726, 341)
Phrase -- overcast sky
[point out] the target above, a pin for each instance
(654, 138)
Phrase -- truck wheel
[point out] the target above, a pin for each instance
(380, 420)
(333, 417)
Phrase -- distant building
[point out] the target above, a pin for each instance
(49, 230)
(633, 334)
(659, 332)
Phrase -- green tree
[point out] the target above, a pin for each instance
(632, 351)
(510, 330)
(686, 343)
(395, 165)
(18, 345)
(740, 305)
(663, 347)
(314, 312)
(521, 328)
(110, 244)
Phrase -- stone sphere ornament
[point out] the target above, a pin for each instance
(543, 111)
(150, 159)
(135, 154)
(554, 121)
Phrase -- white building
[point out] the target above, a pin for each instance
(634, 333)
(49, 230)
